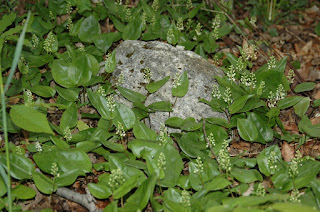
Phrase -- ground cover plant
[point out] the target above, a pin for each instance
(63, 138)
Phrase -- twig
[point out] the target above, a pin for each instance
(205, 136)
(86, 200)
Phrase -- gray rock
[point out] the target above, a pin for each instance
(165, 60)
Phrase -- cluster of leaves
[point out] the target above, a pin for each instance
(137, 171)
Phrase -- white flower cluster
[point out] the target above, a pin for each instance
(54, 170)
(248, 80)
(272, 160)
(120, 131)
(216, 23)
(28, 98)
(116, 178)
(291, 76)
(35, 41)
(253, 21)
(227, 96)
(38, 146)
(69, 8)
(155, 5)
(211, 140)
(216, 92)
(260, 191)
(189, 4)
(294, 196)
(199, 166)
(163, 134)
(102, 91)
(185, 198)
(120, 80)
(273, 98)
(223, 157)
(162, 161)
(180, 26)
(128, 16)
(147, 74)
(49, 41)
(176, 80)
(69, 24)
(272, 63)
(249, 52)
(111, 104)
(67, 134)
(231, 73)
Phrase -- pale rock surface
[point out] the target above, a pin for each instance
(165, 60)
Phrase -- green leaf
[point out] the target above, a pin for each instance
(124, 115)
(132, 96)
(306, 86)
(67, 178)
(292, 207)
(30, 119)
(265, 133)
(43, 91)
(182, 89)
(79, 71)
(87, 146)
(219, 121)
(190, 145)
(89, 28)
(23, 192)
(306, 125)
(144, 148)
(141, 131)
(301, 107)
(161, 106)
(43, 183)
(74, 159)
(69, 117)
(190, 124)
(246, 175)
(263, 158)
(60, 70)
(111, 63)
(127, 186)
(101, 104)
(154, 86)
(3, 187)
(217, 183)
(239, 103)
(247, 129)
(289, 102)
(174, 122)
(99, 190)
(104, 41)
(20, 167)
(6, 21)
(252, 200)
(172, 198)
(59, 143)
(132, 31)
(316, 30)
(114, 146)
(139, 199)
(70, 94)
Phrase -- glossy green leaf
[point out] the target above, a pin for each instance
(306, 86)
(154, 86)
(246, 175)
(43, 183)
(89, 28)
(219, 121)
(132, 31)
(141, 131)
(67, 178)
(174, 122)
(113, 146)
(239, 103)
(265, 133)
(172, 198)
(289, 102)
(301, 107)
(182, 89)
(62, 144)
(23, 192)
(101, 104)
(104, 41)
(131, 95)
(128, 172)
(253, 200)
(247, 129)
(139, 199)
(69, 117)
(124, 115)
(30, 119)
(263, 158)
(79, 71)
(190, 124)
(87, 146)
(306, 125)
(70, 94)
(60, 70)
(43, 91)
(217, 183)
(161, 106)
(191, 146)
(292, 207)
(20, 167)
(99, 190)
(3, 187)
(317, 29)
(126, 187)
(144, 148)
(74, 159)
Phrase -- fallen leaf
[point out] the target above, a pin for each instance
(287, 151)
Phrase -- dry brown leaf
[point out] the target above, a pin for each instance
(287, 151)
(305, 49)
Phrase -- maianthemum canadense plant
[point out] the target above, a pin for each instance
(60, 60)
